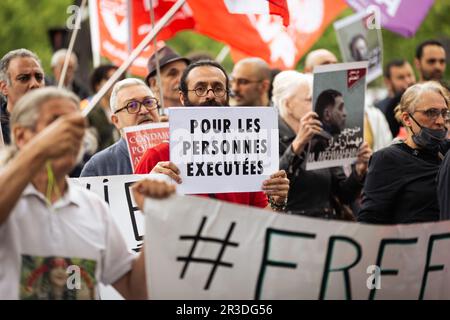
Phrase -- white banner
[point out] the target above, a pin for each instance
(224, 149)
(200, 248)
(116, 191)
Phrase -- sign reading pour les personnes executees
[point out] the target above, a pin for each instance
(223, 149)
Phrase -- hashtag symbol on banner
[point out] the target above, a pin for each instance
(214, 262)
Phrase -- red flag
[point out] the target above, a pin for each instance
(258, 35)
(280, 8)
(277, 7)
(264, 35)
(110, 33)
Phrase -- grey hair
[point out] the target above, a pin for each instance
(286, 84)
(61, 54)
(413, 94)
(259, 66)
(26, 114)
(124, 84)
(7, 58)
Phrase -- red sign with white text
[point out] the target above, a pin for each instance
(143, 137)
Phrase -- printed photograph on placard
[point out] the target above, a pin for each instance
(360, 40)
(338, 100)
(57, 278)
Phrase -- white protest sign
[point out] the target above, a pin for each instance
(223, 149)
(199, 248)
(116, 191)
(143, 137)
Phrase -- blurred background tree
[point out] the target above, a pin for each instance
(25, 23)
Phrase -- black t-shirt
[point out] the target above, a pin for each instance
(400, 186)
(444, 188)
(4, 120)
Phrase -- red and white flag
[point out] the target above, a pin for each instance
(110, 29)
(278, 7)
(248, 34)
(265, 36)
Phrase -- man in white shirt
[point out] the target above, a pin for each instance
(58, 239)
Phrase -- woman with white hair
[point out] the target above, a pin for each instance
(45, 216)
(401, 182)
(316, 193)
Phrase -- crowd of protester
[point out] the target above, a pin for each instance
(401, 174)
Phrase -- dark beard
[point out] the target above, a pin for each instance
(207, 103)
(430, 76)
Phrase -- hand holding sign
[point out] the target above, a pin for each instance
(151, 188)
(309, 126)
(169, 169)
(277, 187)
(364, 154)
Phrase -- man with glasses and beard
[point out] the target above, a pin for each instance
(205, 83)
(132, 103)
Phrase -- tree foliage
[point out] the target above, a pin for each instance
(25, 23)
(436, 25)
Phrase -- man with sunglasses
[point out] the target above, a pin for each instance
(205, 83)
(250, 82)
(132, 103)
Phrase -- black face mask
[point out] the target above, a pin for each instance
(429, 139)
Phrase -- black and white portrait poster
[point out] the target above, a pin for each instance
(360, 40)
(338, 100)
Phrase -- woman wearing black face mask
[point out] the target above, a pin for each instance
(400, 185)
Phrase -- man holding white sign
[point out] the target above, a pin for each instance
(205, 83)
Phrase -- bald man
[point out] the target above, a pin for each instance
(250, 82)
(317, 58)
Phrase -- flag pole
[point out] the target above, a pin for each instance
(71, 45)
(223, 54)
(161, 23)
(158, 69)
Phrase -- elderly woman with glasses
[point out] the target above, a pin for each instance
(400, 186)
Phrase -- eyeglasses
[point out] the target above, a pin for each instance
(218, 91)
(434, 113)
(134, 106)
(243, 81)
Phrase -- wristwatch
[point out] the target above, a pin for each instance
(278, 206)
